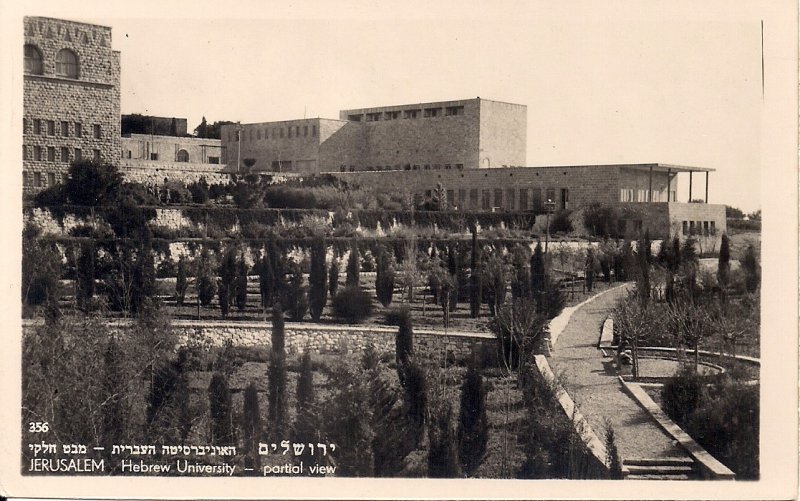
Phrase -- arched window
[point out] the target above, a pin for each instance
(33, 60)
(183, 156)
(66, 64)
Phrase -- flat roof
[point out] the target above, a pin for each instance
(454, 102)
(657, 167)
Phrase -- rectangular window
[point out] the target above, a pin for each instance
(460, 166)
(473, 198)
(51, 179)
(297, 131)
(692, 229)
(305, 131)
(373, 117)
(685, 227)
(674, 196)
(24, 152)
(65, 128)
(391, 115)
(313, 131)
(51, 154)
(37, 126)
(550, 195)
(290, 132)
(96, 155)
(78, 129)
(537, 199)
(96, 131)
(705, 228)
(510, 199)
(354, 118)
(51, 128)
(432, 112)
(451, 197)
(281, 129)
(258, 134)
(498, 198)
(37, 179)
(713, 227)
(523, 199)
(452, 111)
(64, 154)
(153, 156)
(626, 195)
(486, 200)
(78, 155)
(411, 114)
(462, 198)
(213, 160)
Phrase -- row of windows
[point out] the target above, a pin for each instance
(42, 179)
(252, 134)
(51, 154)
(66, 62)
(449, 111)
(643, 195)
(704, 228)
(352, 168)
(61, 128)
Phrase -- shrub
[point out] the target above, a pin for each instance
(277, 381)
(600, 220)
(352, 305)
(752, 270)
(681, 394)
(561, 222)
(206, 288)
(473, 426)
(240, 293)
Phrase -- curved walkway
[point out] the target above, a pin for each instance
(592, 382)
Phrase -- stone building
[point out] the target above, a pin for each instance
(646, 195)
(152, 160)
(148, 124)
(467, 134)
(71, 98)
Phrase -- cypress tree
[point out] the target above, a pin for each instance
(333, 276)
(297, 295)
(219, 403)
(521, 284)
(85, 270)
(644, 258)
(205, 283)
(143, 279)
(241, 283)
(415, 398)
(384, 280)
(305, 385)
(473, 425)
(353, 266)
(266, 280)
(317, 295)
(251, 425)
(181, 282)
(537, 275)
(305, 423)
(475, 278)
(442, 455)
(752, 270)
(277, 377)
(113, 411)
(227, 275)
(724, 265)
(590, 264)
(404, 342)
(452, 270)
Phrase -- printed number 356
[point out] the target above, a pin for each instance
(38, 427)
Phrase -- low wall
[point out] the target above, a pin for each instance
(327, 338)
(319, 338)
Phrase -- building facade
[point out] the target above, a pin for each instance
(449, 135)
(644, 194)
(152, 160)
(71, 98)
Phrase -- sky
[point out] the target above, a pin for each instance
(648, 83)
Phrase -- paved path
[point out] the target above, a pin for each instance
(592, 382)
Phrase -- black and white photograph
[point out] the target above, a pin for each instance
(398, 250)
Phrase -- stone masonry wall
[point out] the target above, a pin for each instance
(503, 134)
(326, 339)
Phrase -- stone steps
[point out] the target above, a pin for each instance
(661, 469)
